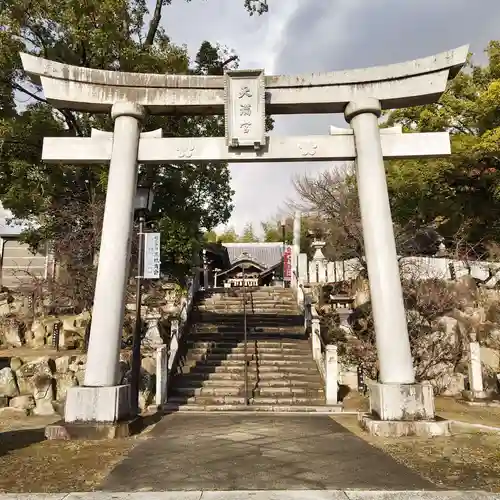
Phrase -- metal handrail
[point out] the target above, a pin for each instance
(245, 336)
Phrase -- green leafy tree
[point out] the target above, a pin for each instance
(459, 195)
(248, 235)
(228, 236)
(65, 199)
(273, 231)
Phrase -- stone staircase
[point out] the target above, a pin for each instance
(282, 375)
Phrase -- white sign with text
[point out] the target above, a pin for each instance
(151, 256)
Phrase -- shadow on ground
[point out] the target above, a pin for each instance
(18, 439)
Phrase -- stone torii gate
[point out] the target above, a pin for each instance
(245, 97)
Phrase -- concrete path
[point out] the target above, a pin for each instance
(257, 452)
(261, 495)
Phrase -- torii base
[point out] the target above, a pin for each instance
(403, 428)
(94, 430)
(95, 413)
(398, 410)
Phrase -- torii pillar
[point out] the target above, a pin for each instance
(395, 396)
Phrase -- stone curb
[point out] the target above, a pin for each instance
(476, 426)
(260, 495)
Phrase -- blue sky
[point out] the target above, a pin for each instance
(300, 36)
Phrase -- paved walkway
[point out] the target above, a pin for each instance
(260, 495)
(257, 452)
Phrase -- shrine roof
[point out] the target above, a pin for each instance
(266, 254)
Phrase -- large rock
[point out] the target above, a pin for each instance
(77, 366)
(44, 395)
(13, 333)
(39, 366)
(13, 412)
(64, 381)
(83, 319)
(63, 364)
(450, 384)
(490, 358)
(448, 325)
(8, 383)
(24, 402)
(30, 370)
(72, 339)
(146, 388)
(5, 308)
(78, 363)
(39, 334)
(15, 363)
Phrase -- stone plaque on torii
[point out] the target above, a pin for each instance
(244, 97)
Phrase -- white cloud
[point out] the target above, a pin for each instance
(299, 36)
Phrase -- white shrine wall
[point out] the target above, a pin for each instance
(419, 268)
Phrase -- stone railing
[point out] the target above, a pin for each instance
(418, 268)
(325, 355)
(167, 354)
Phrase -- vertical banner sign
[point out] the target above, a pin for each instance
(151, 256)
(287, 257)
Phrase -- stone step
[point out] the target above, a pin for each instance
(277, 361)
(286, 370)
(252, 329)
(276, 377)
(224, 321)
(260, 356)
(268, 309)
(253, 408)
(233, 337)
(239, 346)
(267, 400)
(251, 353)
(264, 392)
(190, 380)
(250, 300)
(272, 303)
(207, 391)
(289, 392)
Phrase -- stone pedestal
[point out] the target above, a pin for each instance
(402, 402)
(97, 404)
(399, 410)
(96, 413)
(393, 428)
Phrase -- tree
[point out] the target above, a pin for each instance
(273, 230)
(113, 35)
(331, 200)
(248, 235)
(459, 195)
(228, 236)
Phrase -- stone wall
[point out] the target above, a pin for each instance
(34, 377)
(475, 315)
(38, 386)
(26, 321)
